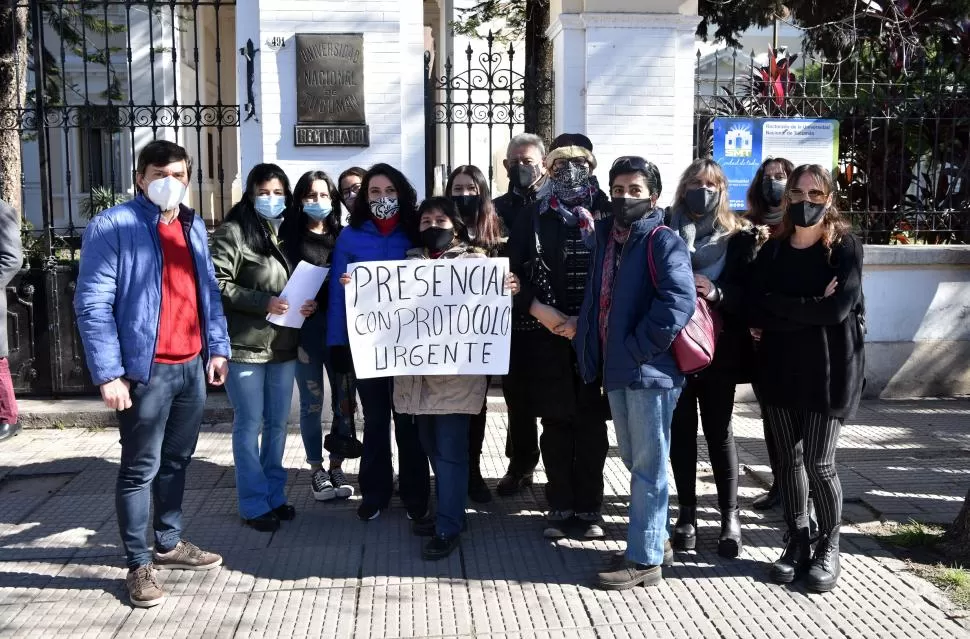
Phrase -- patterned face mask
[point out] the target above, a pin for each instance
(384, 208)
(570, 182)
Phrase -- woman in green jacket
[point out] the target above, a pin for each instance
(252, 271)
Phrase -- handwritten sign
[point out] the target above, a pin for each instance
(429, 317)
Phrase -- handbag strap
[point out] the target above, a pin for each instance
(653, 266)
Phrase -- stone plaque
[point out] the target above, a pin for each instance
(330, 78)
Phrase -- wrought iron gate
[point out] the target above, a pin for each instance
(471, 114)
(112, 76)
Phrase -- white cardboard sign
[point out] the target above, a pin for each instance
(429, 317)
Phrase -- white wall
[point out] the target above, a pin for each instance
(627, 82)
(394, 87)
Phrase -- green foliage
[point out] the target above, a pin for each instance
(100, 199)
(954, 581)
(915, 534)
(513, 15)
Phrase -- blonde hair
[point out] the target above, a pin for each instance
(726, 219)
(834, 226)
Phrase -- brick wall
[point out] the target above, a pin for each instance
(393, 85)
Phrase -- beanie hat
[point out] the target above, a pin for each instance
(571, 145)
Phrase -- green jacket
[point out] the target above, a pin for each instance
(247, 281)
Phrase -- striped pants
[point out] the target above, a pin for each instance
(806, 444)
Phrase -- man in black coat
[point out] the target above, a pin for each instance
(11, 260)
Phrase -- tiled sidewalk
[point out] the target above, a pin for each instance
(328, 575)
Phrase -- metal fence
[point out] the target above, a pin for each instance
(93, 82)
(476, 106)
(904, 130)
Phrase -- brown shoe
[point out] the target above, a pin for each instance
(187, 556)
(618, 558)
(143, 588)
(628, 576)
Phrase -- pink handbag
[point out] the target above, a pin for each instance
(693, 348)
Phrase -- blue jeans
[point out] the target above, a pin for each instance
(310, 367)
(642, 419)
(445, 440)
(260, 395)
(376, 477)
(158, 437)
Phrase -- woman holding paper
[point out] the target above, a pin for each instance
(252, 271)
(309, 233)
(382, 227)
(468, 189)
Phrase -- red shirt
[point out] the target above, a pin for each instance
(179, 335)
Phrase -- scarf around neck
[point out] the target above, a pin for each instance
(611, 266)
(573, 206)
(705, 239)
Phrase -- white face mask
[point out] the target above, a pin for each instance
(166, 193)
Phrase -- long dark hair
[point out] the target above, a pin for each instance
(295, 220)
(757, 202)
(834, 226)
(352, 171)
(254, 232)
(447, 206)
(407, 199)
(487, 231)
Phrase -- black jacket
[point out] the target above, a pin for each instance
(812, 350)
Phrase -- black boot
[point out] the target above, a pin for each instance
(795, 559)
(769, 500)
(729, 543)
(478, 490)
(823, 574)
(685, 529)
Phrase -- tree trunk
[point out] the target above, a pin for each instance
(13, 79)
(539, 97)
(956, 542)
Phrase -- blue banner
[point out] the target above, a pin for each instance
(742, 144)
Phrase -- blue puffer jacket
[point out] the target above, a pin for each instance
(643, 320)
(364, 244)
(119, 290)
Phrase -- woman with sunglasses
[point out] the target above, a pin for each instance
(806, 295)
(468, 189)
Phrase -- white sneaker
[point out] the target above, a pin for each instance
(321, 486)
(341, 486)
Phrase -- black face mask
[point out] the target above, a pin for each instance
(627, 210)
(521, 176)
(805, 214)
(437, 239)
(468, 206)
(702, 202)
(773, 190)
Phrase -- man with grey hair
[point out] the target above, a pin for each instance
(527, 182)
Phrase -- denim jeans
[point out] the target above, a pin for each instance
(260, 395)
(445, 440)
(376, 477)
(158, 437)
(310, 368)
(642, 419)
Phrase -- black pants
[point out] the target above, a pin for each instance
(716, 400)
(574, 454)
(770, 444)
(806, 459)
(522, 437)
(476, 440)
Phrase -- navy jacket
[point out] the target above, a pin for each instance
(364, 244)
(119, 290)
(643, 320)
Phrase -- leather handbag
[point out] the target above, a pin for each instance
(693, 348)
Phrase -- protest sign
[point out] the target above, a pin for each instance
(429, 317)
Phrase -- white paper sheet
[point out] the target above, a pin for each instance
(303, 285)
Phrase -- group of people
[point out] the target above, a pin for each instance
(603, 283)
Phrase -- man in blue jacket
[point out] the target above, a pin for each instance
(150, 317)
(626, 327)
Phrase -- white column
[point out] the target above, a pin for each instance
(626, 80)
(393, 84)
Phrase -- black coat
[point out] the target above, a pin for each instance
(812, 350)
(734, 356)
(542, 366)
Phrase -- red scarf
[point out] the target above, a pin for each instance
(387, 225)
(614, 248)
